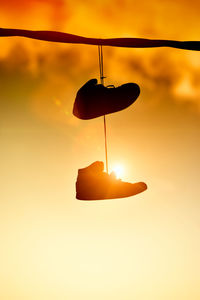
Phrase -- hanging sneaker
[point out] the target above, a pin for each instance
(94, 100)
(94, 184)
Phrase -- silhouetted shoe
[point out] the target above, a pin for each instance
(94, 184)
(94, 100)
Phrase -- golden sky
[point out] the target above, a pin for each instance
(55, 247)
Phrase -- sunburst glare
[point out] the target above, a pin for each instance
(118, 169)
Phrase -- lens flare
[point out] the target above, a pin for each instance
(118, 170)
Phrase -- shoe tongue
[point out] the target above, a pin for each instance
(97, 166)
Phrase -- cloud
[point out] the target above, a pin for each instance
(44, 82)
(44, 79)
(35, 14)
(45, 73)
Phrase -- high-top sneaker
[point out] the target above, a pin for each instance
(94, 100)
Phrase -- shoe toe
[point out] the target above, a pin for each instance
(131, 90)
(142, 185)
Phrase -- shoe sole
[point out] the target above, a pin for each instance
(136, 188)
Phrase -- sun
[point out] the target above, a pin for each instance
(118, 169)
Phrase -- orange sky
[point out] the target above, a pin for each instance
(53, 246)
